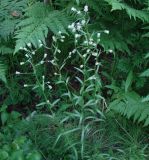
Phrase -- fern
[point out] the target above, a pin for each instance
(145, 73)
(131, 105)
(132, 12)
(7, 28)
(10, 15)
(5, 50)
(39, 19)
(3, 68)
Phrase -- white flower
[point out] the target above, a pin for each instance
(81, 66)
(94, 44)
(110, 50)
(41, 62)
(59, 51)
(88, 50)
(45, 55)
(83, 22)
(50, 87)
(70, 53)
(95, 54)
(18, 72)
(72, 26)
(29, 44)
(86, 8)
(78, 12)
(54, 38)
(40, 45)
(33, 52)
(55, 74)
(74, 51)
(90, 42)
(77, 35)
(25, 85)
(43, 77)
(62, 37)
(21, 63)
(62, 40)
(73, 9)
(97, 63)
(85, 42)
(59, 32)
(106, 31)
(84, 55)
(69, 26)
(26, 55)
(98, 35)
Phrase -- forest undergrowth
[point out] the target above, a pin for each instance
(74, 80)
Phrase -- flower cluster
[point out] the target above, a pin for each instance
(73, 9)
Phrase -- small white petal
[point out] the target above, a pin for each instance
(45, 55)
(98, 35)
(21, 63)
(18, 72)
(81, 66)
(86, 8)
(106, 31)
(73, 9)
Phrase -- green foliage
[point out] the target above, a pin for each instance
(66, 90)
(3, 68)
(35, 27)
(131, 105)
(132, 12)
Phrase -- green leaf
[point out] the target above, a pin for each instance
(4, 117)
(146, 99)
(129, 81)
(39, 20)
(34, 156)
(145, 73)
(3, 69)
(4, 155)
(147, 55)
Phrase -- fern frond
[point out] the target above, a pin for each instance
(131, 105)
(3, 68)
(5, 50)
(132, 12)
(39, 20)
(7, 28)
(145, 73)
(8, 6)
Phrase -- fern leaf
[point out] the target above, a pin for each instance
(129, 81)
(5, 50)
(39, 20)
(3, 69)
(145, 73)
(146, 99)
(132, 106)
(7, 28)
(132, 12)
